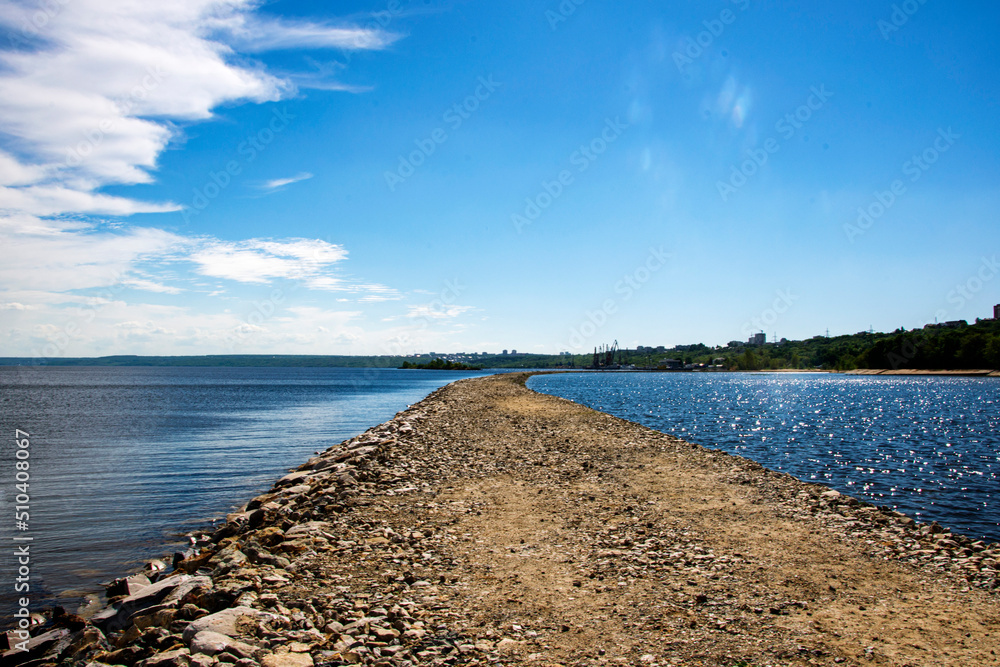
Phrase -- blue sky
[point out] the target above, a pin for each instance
(219, 176)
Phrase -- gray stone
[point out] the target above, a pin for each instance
(36, 646)
(178, 657)
(127, 585)
(186, 586)
(87, 639)
(287, 660)
(228, 559)
(119, 616)
(327, 464)
(306, 529)
(291, 478)
(224, 622)
(155, 565)
(210, 643)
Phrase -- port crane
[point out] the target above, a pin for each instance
(608, 356)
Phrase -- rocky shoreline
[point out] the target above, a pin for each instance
(982, 373)
(489, 524)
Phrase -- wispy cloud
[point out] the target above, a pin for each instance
(150, 286)
(260, 33)
(436, 311)
(278, 183)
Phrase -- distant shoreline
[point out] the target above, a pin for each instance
(393, 363)
(908, 371)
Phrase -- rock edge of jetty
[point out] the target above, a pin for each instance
(488, 524)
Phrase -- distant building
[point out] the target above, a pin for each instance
(513, 351)
(505, 351)
(736, 343)
(757, 339)
(671, 364)
(564, 354)
(996, 312)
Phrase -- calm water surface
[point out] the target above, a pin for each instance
(928, 446)
(124, 460)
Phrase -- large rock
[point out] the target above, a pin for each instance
(164, 592)
(88, 639)
(292, 478)
(269, 536)
(360, 452)
(127, 585)
(192, 563)
(224, 622)
(160, 616)
(258, 556)
(124, 656)
(228, 559)
(191, 583)
(37, 646)
(199, 660)
(328, 464)
(307, 528)
(178, 657)
(287, 660)
(210, 643)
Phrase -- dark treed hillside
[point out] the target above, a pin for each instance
(975, 346)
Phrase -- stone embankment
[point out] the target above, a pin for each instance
(491, 525)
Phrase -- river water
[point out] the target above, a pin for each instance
(124, 460)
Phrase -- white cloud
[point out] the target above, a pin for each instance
(277, 183)
(371, 292)
(91, 94)
(40, 200)
(88, 92)
(435, 311)
(150, 286)
(257, 33)
(63, 262)
(260, 261)
(12, 172)
(247, 266)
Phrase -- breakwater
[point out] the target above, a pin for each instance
(490, 524)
